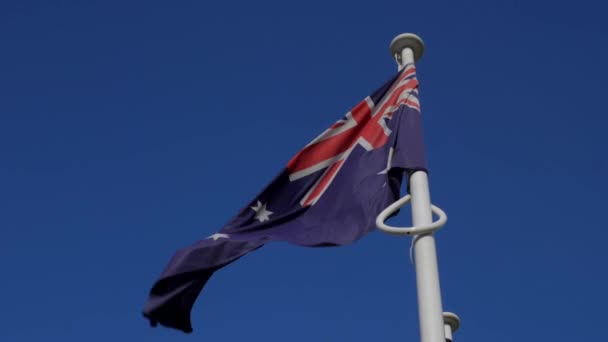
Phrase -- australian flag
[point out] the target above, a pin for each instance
(329, 194)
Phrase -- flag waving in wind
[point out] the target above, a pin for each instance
(329, 194)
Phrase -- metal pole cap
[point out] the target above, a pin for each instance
(452, 320)
(407, 40)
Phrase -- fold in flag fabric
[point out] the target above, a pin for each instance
(329, 194)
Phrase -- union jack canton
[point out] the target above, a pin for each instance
(329, 194)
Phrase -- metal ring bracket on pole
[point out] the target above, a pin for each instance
(391, 209)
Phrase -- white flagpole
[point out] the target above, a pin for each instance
(435, 325)
(407, 48)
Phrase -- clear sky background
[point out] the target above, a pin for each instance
(129, 129)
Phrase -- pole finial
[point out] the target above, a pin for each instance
(407, 40)
(452, 320)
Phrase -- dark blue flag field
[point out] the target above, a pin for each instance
(329, 194)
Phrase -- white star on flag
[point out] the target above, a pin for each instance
(218, 236)
(261, 213)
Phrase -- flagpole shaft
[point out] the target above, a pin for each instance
(430, 310)
(408, 48)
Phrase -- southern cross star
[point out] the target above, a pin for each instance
(261, 213)
(218, 236)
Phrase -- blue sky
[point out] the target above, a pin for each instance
(130, 129)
